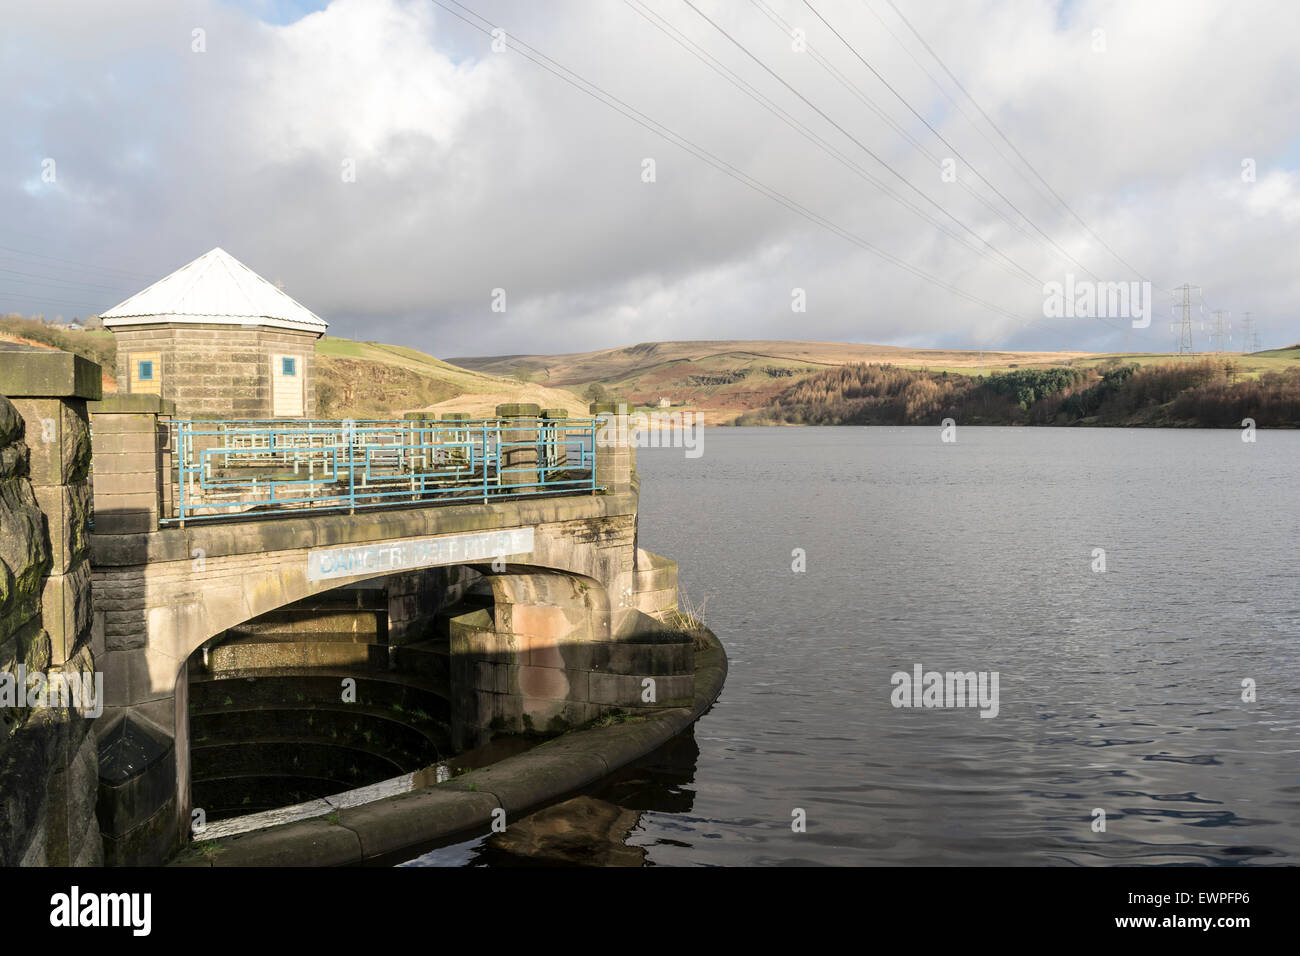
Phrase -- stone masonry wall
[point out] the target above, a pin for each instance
(48, 759)
(218, 371)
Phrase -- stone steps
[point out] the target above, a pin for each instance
(349, 766)
(239, 794)
(248, 656)
(321, 688)
(350, 724)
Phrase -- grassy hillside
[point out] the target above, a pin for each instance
(1250, 364)
(373, 380)
(722, 380)
(96, 346)
(612, 364)
(751, 381)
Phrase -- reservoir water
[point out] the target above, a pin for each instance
(1119, 690)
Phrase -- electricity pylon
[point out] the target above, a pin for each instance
(1220, 332)
(1249, 337)
(1184, 327)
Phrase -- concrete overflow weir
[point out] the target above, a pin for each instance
(381, 822)
(308, 647)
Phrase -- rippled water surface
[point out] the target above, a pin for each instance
(1119, 690)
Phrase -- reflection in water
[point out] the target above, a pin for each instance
(600, 828)
(584, 831)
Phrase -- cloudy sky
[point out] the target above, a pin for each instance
(391, 169)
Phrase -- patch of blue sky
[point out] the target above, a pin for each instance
(279, 12)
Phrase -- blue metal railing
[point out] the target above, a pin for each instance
(254, 468)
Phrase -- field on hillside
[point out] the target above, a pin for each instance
(1249, 363)
(611, 364)
(718, 380)
(374, 380)
(721, 380)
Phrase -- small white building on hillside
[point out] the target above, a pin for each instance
(220, 341)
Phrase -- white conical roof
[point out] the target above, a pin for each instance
(214, 288)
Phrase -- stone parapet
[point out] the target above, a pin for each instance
(615, 461)
(133, 458)
(518, 455)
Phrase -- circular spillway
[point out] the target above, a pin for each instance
(311, 700)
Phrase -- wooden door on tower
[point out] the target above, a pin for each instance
(286, 386)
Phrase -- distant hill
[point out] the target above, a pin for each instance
(611, 364)
(725, 379)
(722, 380)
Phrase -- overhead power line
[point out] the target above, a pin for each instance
(56, 280)
(861, 145)
(749, 90)
(827, 65)
(1066, 206)
(596, 92)
(957, 153)
(65, 304)
(123, 273)
(852, 87)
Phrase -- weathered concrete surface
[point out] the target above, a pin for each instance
(48, 760)
(464, 805)
(519, 443)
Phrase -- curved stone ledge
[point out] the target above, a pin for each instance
(361, 833)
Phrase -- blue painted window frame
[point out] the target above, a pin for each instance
(144, 370)
(288, 366)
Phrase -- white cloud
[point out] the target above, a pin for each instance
(477, 170)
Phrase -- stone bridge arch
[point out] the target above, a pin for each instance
(161, 595)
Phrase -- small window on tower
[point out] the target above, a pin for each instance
(146, 371)
(288, 366)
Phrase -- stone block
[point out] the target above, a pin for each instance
(114, 518)
(49, 373)
(67, 514)
(58, 440)
(66, 611)
(120, 443)
(127, 483)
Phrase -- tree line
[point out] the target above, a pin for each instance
(1204, 393)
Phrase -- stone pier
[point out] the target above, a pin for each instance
(49, 783)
